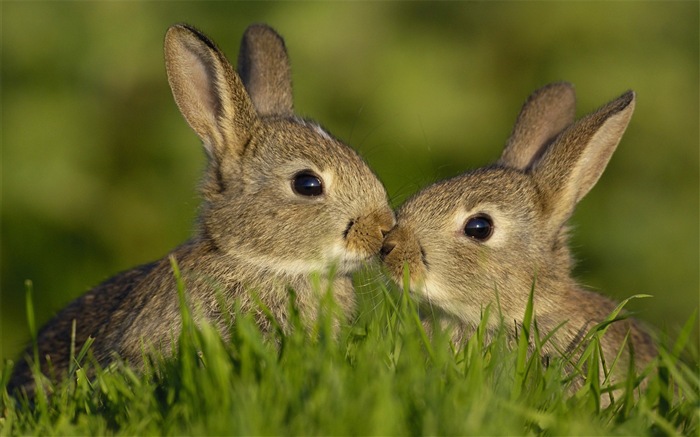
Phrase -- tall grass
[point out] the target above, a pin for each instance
(381, 375)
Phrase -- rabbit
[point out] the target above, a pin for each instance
(282, 199)
(502, 229)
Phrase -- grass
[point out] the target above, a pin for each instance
(381, 375)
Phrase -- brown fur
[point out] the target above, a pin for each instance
(549, 163)
(255, 234)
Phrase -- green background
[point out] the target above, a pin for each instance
(99, 170)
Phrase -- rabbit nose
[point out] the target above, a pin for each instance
(387, 247)
(387, 222)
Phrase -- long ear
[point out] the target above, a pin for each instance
(264, 67)
(572, 165)
(545, 114)
(208, 92)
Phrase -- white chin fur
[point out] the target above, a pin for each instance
(436, 293)
(346, 261)
(338, 260)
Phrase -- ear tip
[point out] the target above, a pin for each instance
(561, 91)
(173, 36)
(259, 27)
(261, 30)
(626, 101)
(183, 30)
(561, 87)
(179, 29)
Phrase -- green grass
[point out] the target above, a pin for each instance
(381, 375)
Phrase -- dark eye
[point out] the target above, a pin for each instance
(479, 227)
(307, 183)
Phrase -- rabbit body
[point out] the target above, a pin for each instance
(282, 200)
(500, 230)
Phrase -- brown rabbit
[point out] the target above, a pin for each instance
(282, 199)
(502, 228)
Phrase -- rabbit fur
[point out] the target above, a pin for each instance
(255, 233)
(548, 165)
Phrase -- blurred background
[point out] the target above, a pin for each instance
(99, 170)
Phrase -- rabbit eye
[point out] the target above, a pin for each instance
(307, 183)
(479, 227)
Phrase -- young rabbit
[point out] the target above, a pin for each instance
(282, 199)
(502, 228)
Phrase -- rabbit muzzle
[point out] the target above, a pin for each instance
(402, 248)
(364, 236)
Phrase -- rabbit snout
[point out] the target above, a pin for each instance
(402, 247)
(365, 235)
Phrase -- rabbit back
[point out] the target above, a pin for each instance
(92, 313)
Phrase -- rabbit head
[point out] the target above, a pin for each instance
(280, 193)
(500, 229)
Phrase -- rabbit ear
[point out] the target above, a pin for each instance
(546, 113)
(572, 165)
(264, 68)
(208, 92)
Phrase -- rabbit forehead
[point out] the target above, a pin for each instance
(508, 192)
(511, 189)
(283, 138)
(290, 142)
